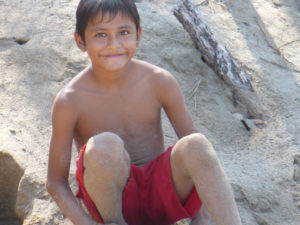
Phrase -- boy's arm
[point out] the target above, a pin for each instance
(63, 123)
(173, 104)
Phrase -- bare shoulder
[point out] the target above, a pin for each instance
(68, 97)
(158, 77)
(162, 82)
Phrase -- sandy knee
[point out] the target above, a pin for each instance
(195, 150)
(105, 149)
(106, 161)
(105, 139)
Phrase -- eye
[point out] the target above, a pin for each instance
(124, 32)
(101, 35)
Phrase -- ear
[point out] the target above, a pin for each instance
(80, 43)
(139, 36)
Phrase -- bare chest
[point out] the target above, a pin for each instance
(134, 117)
(123, 118)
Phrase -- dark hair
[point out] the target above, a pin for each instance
(88, 9)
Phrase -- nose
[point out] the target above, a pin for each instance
(113, 42)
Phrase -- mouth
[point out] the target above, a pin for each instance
(114, 55)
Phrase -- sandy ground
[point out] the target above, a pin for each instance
(38, 56)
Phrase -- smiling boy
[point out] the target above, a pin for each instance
(112, 110)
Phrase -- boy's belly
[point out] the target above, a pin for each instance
(143, 145)
(145, 152)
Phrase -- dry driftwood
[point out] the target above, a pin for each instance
(218, 57)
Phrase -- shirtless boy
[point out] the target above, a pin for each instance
(112, 110)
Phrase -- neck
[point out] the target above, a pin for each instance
(110, 79)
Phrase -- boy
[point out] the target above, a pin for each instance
(112, 110)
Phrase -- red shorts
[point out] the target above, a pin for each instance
(149, 196)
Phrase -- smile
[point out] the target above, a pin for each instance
(113, 55)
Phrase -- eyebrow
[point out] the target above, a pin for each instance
(94, 29)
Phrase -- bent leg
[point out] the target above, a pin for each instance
(107, 166)
(194, 162)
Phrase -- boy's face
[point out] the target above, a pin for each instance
(110, 43)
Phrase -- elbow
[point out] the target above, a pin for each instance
(50, 187)
(57, 189)
(53, 189)
(55, 186)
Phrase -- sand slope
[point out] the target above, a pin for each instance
(38, 56)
